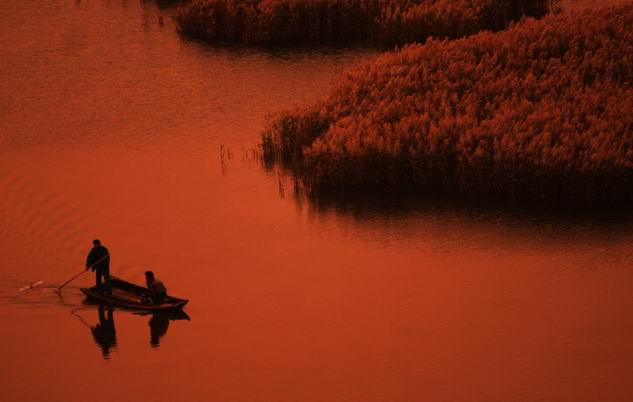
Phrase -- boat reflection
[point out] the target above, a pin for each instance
(104, 332)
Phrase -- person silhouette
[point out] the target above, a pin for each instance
(104, 333)
(156, 290)
(98, 260)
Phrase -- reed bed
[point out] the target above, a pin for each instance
(381, 22)
(541, 111)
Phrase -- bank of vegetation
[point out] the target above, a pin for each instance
(541, 111)
(380, 22)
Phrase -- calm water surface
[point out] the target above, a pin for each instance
(111, 126)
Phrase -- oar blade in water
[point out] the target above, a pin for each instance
(31, 286)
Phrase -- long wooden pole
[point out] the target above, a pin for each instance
(86, 270)
(71, 279)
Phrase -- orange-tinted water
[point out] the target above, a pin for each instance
(111, 127)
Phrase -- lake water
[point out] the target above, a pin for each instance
(112, 126)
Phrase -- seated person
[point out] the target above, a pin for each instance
(156, 290)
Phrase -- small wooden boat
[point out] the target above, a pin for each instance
(128, 295)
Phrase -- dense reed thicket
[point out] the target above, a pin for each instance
(541, 111)
(386, 22)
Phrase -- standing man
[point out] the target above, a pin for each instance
(99, 260)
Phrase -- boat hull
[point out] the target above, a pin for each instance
(128, 295)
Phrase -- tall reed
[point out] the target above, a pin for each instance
(541, 111)
(384, 22)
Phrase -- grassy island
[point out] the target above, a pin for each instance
(383, 22)
(541, 111)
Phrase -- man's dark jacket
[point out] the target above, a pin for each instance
(98, 258)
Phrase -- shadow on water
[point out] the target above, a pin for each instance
(159, 323)
(363, 210)
(280, 52)
(407, 219)
(363, 206)
(104, 331)
(370, 206)
(163, 4)
(102, 327)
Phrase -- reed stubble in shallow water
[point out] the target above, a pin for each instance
(383, 22)
(542, 111)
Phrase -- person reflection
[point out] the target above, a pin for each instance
(158, 325)
(104, 332)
